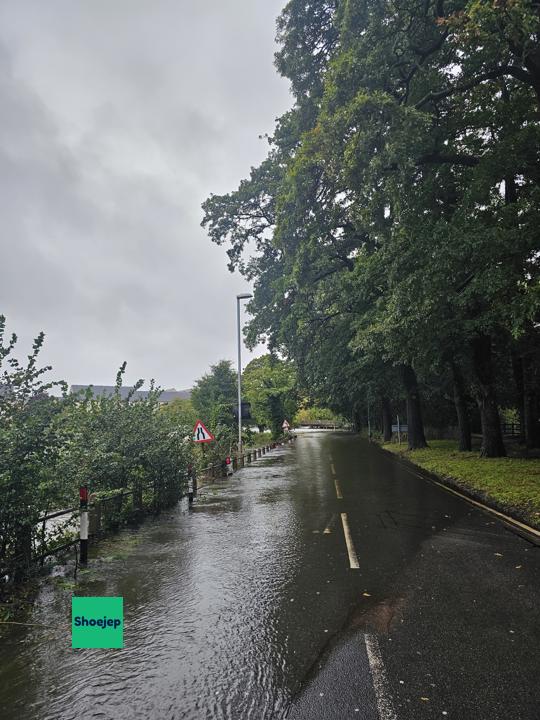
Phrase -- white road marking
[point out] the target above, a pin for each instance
(353, 558)
(385, 706)
(328, 529)
(338, 489)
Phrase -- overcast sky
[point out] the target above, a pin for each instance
(118, 119)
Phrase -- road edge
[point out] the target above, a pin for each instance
(511, 518)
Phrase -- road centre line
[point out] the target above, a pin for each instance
(385, 706)
(353, 558)
(333, 469)
(505, 518)
(328, 529)
(338, 489)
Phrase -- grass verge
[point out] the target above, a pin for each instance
(511, 485)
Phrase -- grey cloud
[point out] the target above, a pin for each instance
(118, 120)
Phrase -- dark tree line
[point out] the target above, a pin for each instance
(392, 233)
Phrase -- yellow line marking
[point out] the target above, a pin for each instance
(353, 558)
(506, 518)
(338, 489)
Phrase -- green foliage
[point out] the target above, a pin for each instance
(214, 397)
(269, 384)
(31, 445)
(215, 394)
(308, 415)
(49, 446)
(180, 412)
(395, 219)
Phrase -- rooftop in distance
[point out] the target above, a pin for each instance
(165, 397)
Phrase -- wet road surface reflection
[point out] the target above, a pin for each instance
(222, 616)
(242, 606)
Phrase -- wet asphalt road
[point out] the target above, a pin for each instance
(244, 607)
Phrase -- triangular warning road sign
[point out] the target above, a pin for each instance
(201, 433)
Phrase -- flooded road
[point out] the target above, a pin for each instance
(249, 604)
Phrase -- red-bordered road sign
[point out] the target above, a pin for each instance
(201, 433)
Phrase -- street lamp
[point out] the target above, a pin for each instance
(244, 296)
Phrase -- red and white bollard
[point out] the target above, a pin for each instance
(83, 528)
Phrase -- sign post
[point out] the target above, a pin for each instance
(201, 435)
(285, 426)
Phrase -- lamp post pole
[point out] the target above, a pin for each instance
(244, 296)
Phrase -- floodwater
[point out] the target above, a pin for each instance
(232, 607)
(216, 623)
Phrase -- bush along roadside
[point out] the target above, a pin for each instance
(510, 485)
(130, 455)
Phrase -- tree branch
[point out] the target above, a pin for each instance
(449, 158)
(436, 158)
(512, 70)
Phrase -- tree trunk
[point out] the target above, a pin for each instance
(386, 419)
(416, 435)
(492, 441)
(138, 496)
(357, 420)
(531, 404)
(23, 552)
(462, 413)
(518, 372)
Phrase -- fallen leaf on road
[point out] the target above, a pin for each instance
(498, 554)
(424, 699)
(518, 567)
(366, 594)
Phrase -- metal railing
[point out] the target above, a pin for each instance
(59, 530)
(219, 469)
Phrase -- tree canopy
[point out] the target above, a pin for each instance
(392, 232)
(269, 385)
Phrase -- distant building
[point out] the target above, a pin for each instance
(166, 396)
